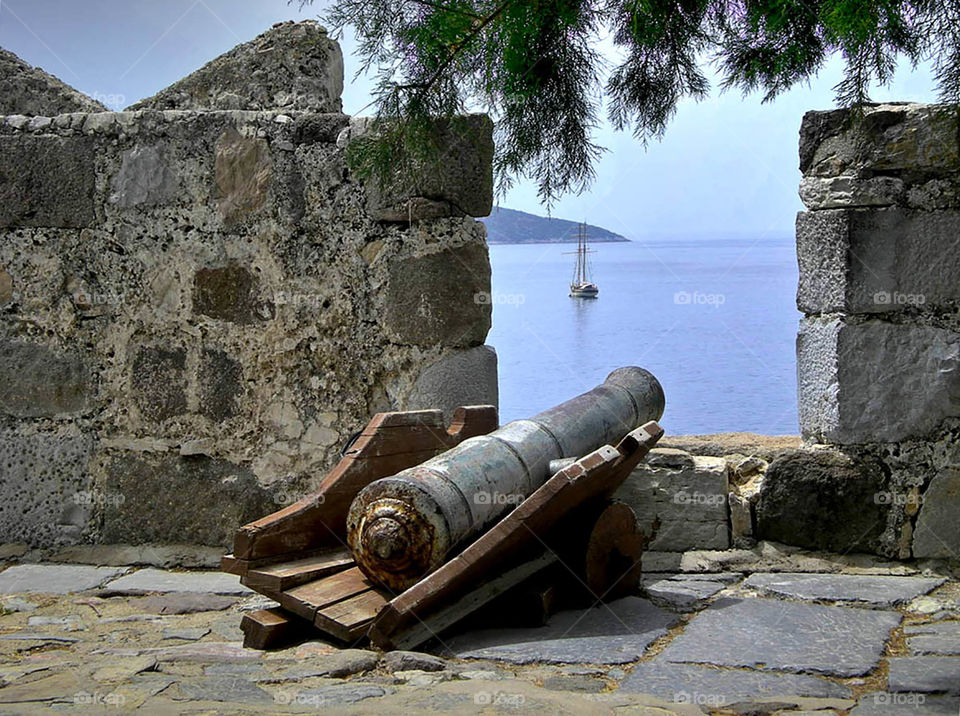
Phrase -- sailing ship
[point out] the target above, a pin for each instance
(581, 286)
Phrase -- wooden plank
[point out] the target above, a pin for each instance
(285, 575)
(390, 443)
(232, 565)
(272, 629)
(594, 477)
(305, 600)
(348, 620)
(429, 626)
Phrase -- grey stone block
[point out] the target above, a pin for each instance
(685, 495)
(937, 532)
(785, 636)
(913, 141)
(457, 182)
(145, 179)
(31, 91)
(877, 261)
(149, 580)
(615, 633)
(37, 382)
(875, 381)
(681, 595)
(229, 293)
(824, 500)
(432, 299)
(167, 498)
(876, 590)
(159, 382)
(46, 181)
(293, 66)
(467, 377)
(54, 579)
(925, 674)
(45, 481)
(706, 687)
(219, 384)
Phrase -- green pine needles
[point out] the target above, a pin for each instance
(535, 67)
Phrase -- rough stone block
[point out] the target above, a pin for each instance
(36, 381)
(230, 293)
(159, 382)
(433, 299)
(910, 141)
(166, 498)
(458, 182)
(45, 481)
(877, 261)
(681, 499)
(823, 500)
(937, 533)
(243, 173)
(293, 66)
(466, 377)
(145, 179)
(875, 381)
(220, 384)
(31, 91)
(46, 181)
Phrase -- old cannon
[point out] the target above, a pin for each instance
(420, 525)
(402, 527)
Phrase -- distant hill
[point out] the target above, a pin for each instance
(508, 226)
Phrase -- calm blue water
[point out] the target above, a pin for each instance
(714, 320)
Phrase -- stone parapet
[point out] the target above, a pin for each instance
(199, 307)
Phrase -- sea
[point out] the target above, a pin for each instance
(715, 320)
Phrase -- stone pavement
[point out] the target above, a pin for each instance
(875, 639)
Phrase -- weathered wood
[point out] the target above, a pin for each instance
(348, 620)
(612, 560)
(271, 629)
(391, 442)
(306, 599)
(592, 478)
(417, 631)
(282, 576)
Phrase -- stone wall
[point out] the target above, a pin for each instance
(199, 306)
(878, 349)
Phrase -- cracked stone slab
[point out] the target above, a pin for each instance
(785, 636)
(615, 633)
(938, 638)
(330, 696)
(54, 578)
(147, 581)
(693, 684)
(878, 590)
(682, 594)
(925, 674)
(882, 704)
(222, 689)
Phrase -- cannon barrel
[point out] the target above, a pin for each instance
(403, 527)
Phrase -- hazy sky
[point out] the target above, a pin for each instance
(728, 166)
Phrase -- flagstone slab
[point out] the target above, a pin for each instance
(884, 704)
(55, 578)
(924, 674)
(704, 686)
(877, 590)
(785, 636)
(939, 638)
(682, 594)
(148, 581)
(615, 633)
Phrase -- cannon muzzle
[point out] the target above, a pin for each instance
(401, 528)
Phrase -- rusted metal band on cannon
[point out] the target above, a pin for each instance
(401, 528)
